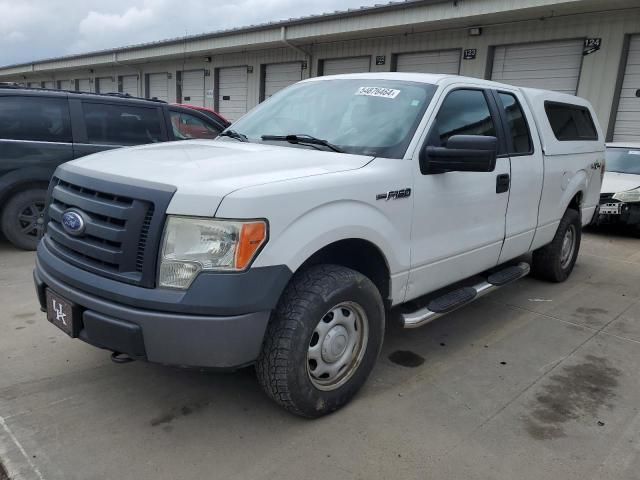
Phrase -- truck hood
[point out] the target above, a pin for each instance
(204, 172)
(614, 182)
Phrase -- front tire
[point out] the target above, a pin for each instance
(554, 262)
(323, 340)
(23, 218)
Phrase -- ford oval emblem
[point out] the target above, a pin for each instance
(73, 223)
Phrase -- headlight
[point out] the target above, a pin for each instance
(630, 196)
(191, 245)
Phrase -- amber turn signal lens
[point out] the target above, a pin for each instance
(252, 237)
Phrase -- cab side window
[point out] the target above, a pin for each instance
(463, 112)
(518, 128)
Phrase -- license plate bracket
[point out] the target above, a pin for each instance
(610, 209)
(63, 313)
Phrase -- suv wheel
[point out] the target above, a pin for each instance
(555, 262)
(23, 218)
(323, 340)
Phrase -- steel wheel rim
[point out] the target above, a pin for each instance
(337, 346)
(568, 246)
(31, 219)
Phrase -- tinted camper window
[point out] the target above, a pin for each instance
(570, 122)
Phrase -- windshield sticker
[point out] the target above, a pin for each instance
(378, 92)
(634, 152)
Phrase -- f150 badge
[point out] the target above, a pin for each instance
(394, 194)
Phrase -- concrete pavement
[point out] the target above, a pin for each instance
(534, 381)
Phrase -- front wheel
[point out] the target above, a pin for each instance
(323, 340)
(554, 262)
(23, 218)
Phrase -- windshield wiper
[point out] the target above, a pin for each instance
(241, 137)
(303, 139)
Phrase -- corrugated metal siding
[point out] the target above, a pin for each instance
(443, 61)
(232, 92)
(547, 65)
(627, 126)
(280, 75)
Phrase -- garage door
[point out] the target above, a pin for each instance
(34, 84)
(627, 126)
(549, 65)
(280, 75)
(443, 61)
(337, 66)
(83, 85)
(66, 84)
(158, 86)
(193, 87)
(130, 85)
(232, 92)
(49, 84)
(106, 85)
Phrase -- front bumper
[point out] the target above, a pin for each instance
(220, 323)
(629, 213)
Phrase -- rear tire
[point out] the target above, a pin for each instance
(323, 340)
(554, 262)
(22, 219)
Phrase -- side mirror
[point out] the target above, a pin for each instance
(463, 153)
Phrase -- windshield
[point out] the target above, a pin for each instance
(623, 160)
(359, 116)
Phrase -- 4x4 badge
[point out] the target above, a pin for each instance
(394, 194)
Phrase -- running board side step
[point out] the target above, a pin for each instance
(458, 298)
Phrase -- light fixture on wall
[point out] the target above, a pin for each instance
(475, 31)
(207, 59)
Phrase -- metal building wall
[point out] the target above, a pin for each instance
(598, 76)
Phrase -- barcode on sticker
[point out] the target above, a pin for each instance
(378, 92)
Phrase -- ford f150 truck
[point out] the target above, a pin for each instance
(285, 242)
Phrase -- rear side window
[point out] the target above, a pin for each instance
(35, 118)
(121, 124)
(517, 122)
(570, 122)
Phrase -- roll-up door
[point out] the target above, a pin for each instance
(232, 92)
(130, 85)
(336, 66)
(83, 85)
(280, 75)
(158, 86)
(49, 84)
(34, 84)
(105, 85)
(627, 126)
(66, 85)
(193, 87)
(443, 61)
(547, 65)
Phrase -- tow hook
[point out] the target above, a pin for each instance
(119, 357)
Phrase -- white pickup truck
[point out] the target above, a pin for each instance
(285, 242)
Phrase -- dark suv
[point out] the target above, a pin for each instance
(40, 129)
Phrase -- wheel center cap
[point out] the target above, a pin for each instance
(335, 343)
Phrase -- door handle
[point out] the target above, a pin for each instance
(502, 183)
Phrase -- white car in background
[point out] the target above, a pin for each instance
(620, 193)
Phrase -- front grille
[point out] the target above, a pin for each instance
(123, 224)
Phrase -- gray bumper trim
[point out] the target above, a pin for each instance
(171, 338)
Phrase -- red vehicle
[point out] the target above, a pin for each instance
(191, 126)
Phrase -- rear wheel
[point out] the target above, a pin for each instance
(555, 261)
(23, 218)
(323, 340)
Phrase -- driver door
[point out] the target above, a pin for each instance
(458, 216)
